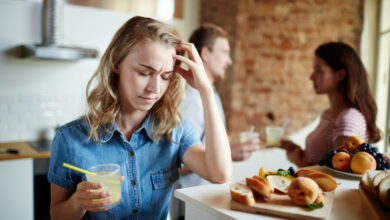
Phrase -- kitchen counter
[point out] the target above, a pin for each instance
(24, 149)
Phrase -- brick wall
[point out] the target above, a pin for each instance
(273, 43)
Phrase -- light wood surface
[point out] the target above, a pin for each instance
(376, 210)
(214, 201)
(281, 205)
(24, 149)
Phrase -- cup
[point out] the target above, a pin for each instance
(109, 175)
(248, 135)
(274, 134)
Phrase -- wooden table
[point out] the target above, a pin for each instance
(213, 201)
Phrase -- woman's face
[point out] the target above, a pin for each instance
(325, 80)
(144, 75)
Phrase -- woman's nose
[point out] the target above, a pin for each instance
(154, 84)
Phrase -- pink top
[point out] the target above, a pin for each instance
(349, 122)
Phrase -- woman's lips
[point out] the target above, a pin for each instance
(148, 99)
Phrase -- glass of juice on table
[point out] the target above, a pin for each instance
(273, 135)
(109, 175)
(249, 135)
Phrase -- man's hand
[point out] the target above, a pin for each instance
(242, 151)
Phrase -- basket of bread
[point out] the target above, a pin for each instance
(355, 158)
(305, 193)
(375, 189)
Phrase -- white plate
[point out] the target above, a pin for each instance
(342, 173)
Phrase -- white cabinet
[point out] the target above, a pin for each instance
(16, 189)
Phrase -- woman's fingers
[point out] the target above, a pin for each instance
(185, 60)
(92, 200)
(191, 51)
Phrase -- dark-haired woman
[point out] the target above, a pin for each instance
(339, 73)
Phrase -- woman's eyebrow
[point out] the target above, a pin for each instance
(154, 70)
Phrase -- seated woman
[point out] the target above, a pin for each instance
(133, 120)
(340, 74)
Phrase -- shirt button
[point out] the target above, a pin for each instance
(135, 210)
(133, 182)
(131, 153)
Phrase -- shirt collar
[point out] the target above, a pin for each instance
(112, 127)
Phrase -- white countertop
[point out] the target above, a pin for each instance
(213, 201)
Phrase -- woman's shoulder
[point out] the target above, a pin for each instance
(351, 114)
(184, 127)
(77, 124)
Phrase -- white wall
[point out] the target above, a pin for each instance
(36, 95)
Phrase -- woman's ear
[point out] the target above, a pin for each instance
(341, 74)
(115, 69)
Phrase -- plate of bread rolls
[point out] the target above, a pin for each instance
(305, 193)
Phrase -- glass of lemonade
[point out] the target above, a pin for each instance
(248, 135)
(274, 134)
(109, 175)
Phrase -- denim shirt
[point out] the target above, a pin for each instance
(150, 167)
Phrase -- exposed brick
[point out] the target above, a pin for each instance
(273, 43)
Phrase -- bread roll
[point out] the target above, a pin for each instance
(280, 183)
(377, 179)
(384, 191)
(326, 182)
(259, 187)
(366, 180)
(242, 194)
(266, 182)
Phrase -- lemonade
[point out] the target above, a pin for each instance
(248, 135)
(274, 134)
(109, 175)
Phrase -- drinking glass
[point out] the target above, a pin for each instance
(248, 136)
(109, 175)
(273, 135)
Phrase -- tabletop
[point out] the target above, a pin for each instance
(24, 150)
(215, 199)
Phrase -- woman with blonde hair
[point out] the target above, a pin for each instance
(133, 120)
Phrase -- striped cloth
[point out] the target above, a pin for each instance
(349, 122)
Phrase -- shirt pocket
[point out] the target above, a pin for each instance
(162, 183)
(106, 215)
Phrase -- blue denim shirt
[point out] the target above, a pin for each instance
(149, 166)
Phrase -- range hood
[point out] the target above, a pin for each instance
(52, 47)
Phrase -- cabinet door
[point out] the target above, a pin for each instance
(16, 189)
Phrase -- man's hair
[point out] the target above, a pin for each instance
(205, 36)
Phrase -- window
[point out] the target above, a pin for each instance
(165, 9)
(382, 92)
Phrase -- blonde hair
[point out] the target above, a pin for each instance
(103, 101)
